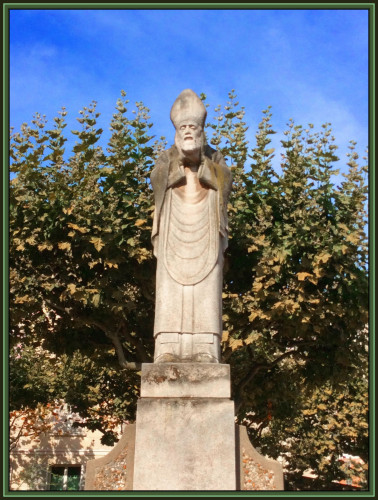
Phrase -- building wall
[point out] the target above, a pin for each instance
(32, 459)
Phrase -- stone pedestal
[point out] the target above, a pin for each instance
(185, 438)
(185, 430)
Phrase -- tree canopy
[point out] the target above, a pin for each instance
(295, 301)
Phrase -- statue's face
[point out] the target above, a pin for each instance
(189, 136)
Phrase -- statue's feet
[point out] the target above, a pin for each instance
(167, 358)
(204, 357)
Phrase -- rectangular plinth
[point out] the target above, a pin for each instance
(185, 380)
(185, 444)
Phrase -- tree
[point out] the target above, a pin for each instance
(295, 283)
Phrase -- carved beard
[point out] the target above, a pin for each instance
(194, 148)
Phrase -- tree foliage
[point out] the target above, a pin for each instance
(295, 299)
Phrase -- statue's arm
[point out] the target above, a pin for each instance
(159, 171)
(227, 175)
(159, 177)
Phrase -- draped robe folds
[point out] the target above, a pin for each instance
(189, 250)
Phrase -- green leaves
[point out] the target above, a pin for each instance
(295, 281)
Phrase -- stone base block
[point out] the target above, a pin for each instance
(185, 444)
(185, 438)
(185, 380)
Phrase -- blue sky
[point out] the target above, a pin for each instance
(309, 65)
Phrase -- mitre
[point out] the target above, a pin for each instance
(188, 106)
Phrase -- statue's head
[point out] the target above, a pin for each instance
(188, 115)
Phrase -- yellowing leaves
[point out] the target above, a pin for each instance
(280, 256)
(96, 299)
(291, 306)
(111, 263)
(142, 254)
(257, 286)
(225, 335)
(45, 246)
(229, 295)
(20, 245)
(97, 242)
(309, 412)
(235, 343)
(64, 245)
(252, 248)
(306, 318)
(319, 272)
(77, 228)
(258, 314)
(253, 316)
(253, 337)
(131, 242)
(287, 305)
(31, 241)
(71, 288)
(353, 238)
(21, 300)
(94, 263)
(231, 208)
(343, 226)
(303, 276)
(140, 222)
(270, 282)
(323, 257)
(314, 301)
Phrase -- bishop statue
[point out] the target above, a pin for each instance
(191, 184)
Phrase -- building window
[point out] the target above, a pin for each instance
(65, 478)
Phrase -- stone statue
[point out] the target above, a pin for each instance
(191, 184)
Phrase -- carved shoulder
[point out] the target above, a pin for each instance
(218, 158)
(160, 165)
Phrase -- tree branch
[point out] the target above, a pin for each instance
(13, 441)
(130, 365)
(136, 343)
(253, 372)
(66, 310)
(113, 336)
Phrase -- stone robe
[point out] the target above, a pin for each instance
(189, 237)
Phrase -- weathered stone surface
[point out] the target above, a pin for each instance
(185, 444)
(115, 471)
(186, 380)
(185, 430)
(255, 471)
